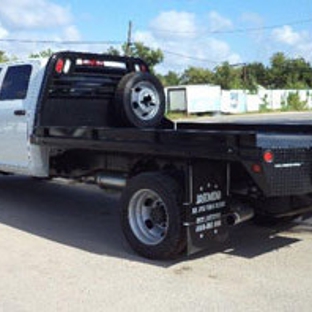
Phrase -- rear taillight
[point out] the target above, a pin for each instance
(59, 66)
(268, 156)
(62, 66)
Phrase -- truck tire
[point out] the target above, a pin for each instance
(140, 100)
(151, 216)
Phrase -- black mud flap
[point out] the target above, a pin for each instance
(207, 208)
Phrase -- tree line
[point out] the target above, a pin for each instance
(281, 73)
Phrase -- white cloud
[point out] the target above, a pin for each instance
(218, 22)
(305, 50)
(35, 20)
(185, 40)
(3, 32)
(71, 33)
(252, 19)
(32, 14)
(148, 38)
(287, 35)
(183, 24)
(298, 41)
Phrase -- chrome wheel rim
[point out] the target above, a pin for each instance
(148, 217)
(145, 101)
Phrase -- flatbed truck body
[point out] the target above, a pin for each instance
(183, 183)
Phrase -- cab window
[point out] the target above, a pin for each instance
(15, 83)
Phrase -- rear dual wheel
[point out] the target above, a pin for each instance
(151, 216)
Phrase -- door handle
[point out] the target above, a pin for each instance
(20, 112)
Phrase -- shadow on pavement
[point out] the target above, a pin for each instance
(250, 241)
(86, 218)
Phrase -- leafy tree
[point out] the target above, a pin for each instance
(255, 75)
(278, 71)
(112, 51)
(3, 57)
(197, 75)
(286, 73)
(306, 73)
(152, 57)
(42, 54)
(297, 77)
(228, 77)
(170, 79)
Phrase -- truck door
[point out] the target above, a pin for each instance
(14, 144)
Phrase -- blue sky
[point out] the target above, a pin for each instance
(190, 32)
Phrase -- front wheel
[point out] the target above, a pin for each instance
(151, 216)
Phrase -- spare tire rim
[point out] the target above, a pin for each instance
(148, 217)
(145, 100)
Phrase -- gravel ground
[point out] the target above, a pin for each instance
(63, 250)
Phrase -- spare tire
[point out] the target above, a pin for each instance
(140, 100)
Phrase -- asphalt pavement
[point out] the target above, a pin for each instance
(264, 118)
(62, 250)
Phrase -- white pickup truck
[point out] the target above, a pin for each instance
(100, 119)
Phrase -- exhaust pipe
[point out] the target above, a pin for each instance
(240, 213)
(111, 181)
(107, 180)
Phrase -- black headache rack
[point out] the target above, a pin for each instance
(278, 158)
(79, 88)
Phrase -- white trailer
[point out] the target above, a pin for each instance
(193, 99)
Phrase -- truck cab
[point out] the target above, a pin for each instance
(20, 84)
